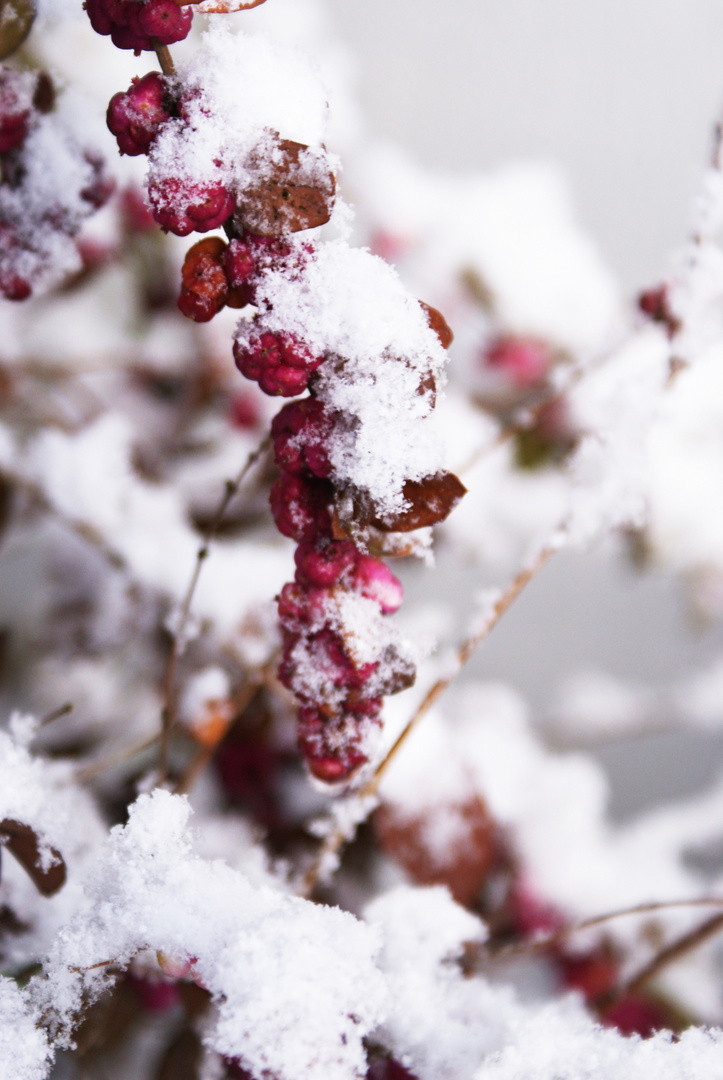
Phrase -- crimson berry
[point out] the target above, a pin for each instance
(524, 361)
(300, 433)
(182, 207)
(331, 748)
(374, 580)
(136, 116)
(165, 20)
(324, 562)
(300, 507)
(16, 96)
(199, 308)
(280, 363)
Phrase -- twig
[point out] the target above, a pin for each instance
(678, 948)
(56, 714)
(333, 844)
(168, 716)
(119, 758)
(546, 941)
(163, 55)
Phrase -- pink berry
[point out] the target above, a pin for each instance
(136, 116)
(524, 361)
(278, 362)
(374, 580)
(300, 433)
(16, 93)
(300, 507)
(331, 748)
(165, 20)
(182, 207)
(324, 562)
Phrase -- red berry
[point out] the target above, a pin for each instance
(300, 432)
(278, 362)
(374, 580)
(16, 98)
(136, 116)
(199, 308)
(324, 562)
(182, 207)
(301, 507)
(165, 20)
(331, 748)
(524, 361)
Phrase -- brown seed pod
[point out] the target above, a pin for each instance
(16, 20)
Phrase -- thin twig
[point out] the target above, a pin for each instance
(56, 714)
(120, 757)
(677, 949)
(165, 60)
(168, 716)
(333, 844)
(546, 941)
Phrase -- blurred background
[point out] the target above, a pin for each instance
(624, 95)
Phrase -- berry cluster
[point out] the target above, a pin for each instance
(280, 188)
(339, 690)
(216, 275)
(38, 220)
(140, 25)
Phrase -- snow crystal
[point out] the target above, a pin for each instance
(562, 1043)
(239, 89)
(294, 983)
(24, 1050)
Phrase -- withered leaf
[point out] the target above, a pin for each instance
(16, 20)
(23, 842)
(431, 500)
(438, 323)
(462, 865)
(296, 193)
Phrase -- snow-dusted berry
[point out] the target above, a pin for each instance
(280, 363)
(136, 116)
(300, 433)
(332, 749)
(324, 562)
(16, 101)
(204, 288)
(301, 507)
(182, 206)
(374, 580)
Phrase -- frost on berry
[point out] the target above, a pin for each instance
(136, 116)
(205, 286)
(183, 206)
(300, 434)
(52, 181)
(280, 363)
(16, 102)
(300, 507)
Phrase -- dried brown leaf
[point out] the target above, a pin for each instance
(296, 192)
(24, 844)
(430, 499)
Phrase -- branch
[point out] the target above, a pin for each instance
(170, 707)
(556, 937)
